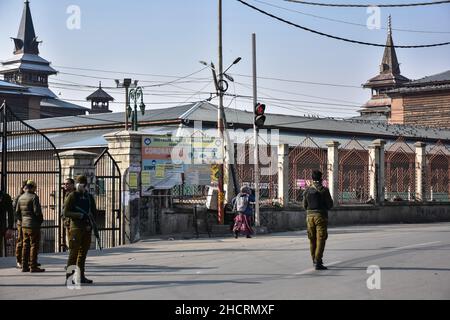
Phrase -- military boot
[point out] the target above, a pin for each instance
(320, 266)
(37, 270)
(86, 280)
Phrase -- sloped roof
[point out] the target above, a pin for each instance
(437, 82)
(116, 118)
(439, 77)
(100, 94)
(27, 62)
(57, 103)
(207, 114)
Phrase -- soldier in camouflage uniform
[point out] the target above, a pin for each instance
(19, 241)
(317, 201)
(76, 207)
(69, 187)
(29, 208)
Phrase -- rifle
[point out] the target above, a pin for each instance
(93, 224)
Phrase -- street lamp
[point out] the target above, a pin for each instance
(221, 87)
(127, 84)
(135, 95)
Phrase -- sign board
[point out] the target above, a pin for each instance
(167, 161)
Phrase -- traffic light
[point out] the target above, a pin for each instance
(260, 118)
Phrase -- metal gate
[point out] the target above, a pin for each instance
(400, 173)
(438, 173)
(27, 154)
(108, 200)
(353, 173)
(303, 160)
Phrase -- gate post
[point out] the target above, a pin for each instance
(420, 170)
(77, 162)
(283, 174)
(376, 170)
(333, 167)
(125, 148)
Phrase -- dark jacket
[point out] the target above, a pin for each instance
(326, 202)
(76, 207)
(6, 212)
(28, 208)
(16, 215)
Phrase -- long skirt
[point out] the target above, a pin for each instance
(242, 224)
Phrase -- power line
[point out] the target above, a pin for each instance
(300, 81)
(142, 81)
(299, 94)
(340, 38)
(417, 4)
(125, 73)
(198, 80)
(347, 22)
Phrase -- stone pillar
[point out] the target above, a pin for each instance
(125, 148)
(376, 170)
(283, 174)
(333, 169)
(77, 162)
(420, 170)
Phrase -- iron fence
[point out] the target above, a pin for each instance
(353, 184)
(438, 173)
(400, 171)
(303, 160)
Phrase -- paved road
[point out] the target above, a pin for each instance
(414, 262)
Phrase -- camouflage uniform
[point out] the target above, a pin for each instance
(19, 241)
(80, 233)
(29, 208)
(317, 222)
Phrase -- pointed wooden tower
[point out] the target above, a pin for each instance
(388, 78)
(99, 101)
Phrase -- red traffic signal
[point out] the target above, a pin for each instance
(260, 118)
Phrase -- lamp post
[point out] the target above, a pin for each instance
(136, 94)
(127, 84)
(221, 86)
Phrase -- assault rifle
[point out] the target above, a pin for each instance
(93, 225)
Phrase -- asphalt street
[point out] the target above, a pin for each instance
(405, 261)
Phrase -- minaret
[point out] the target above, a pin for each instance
(389, 64)
(99, 101)
(26, 41)
(27, 67)
(388, 78)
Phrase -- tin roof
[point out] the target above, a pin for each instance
(326, 128)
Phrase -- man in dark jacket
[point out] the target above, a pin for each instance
(29, 208)
(77, 206)
(19, 241)
(6, 218)
(317, 201)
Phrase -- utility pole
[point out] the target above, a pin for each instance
(255, 131)
(220, 126)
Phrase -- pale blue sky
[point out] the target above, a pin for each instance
(169, 37)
